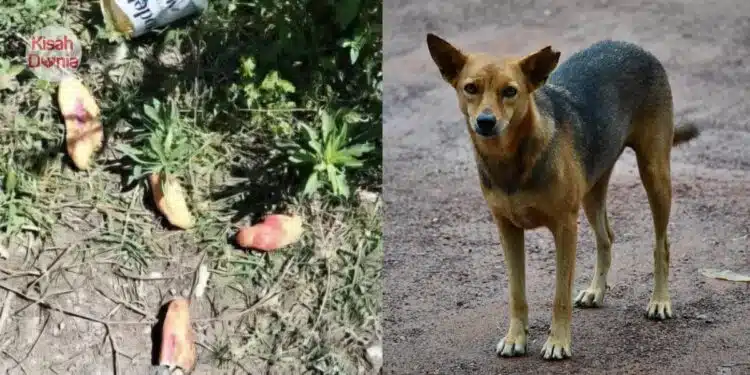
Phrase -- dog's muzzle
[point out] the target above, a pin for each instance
(486, 125)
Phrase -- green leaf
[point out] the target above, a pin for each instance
(341, 188)
(327, 123)
(354, 164)
(287, 145)
(331, 174)
(168, 139)
(312, 184)
(10, 182)
(152, 113)
(306, 157)
(343, 159)
(315, 145)
(329, 148)
(248, 67)
(156, 145)
(269, 81)
(32, 5)
(11, 212)
(181, 153)
(353, 54)
(174, 114)
(311, 133)
(357, 150)
(340, 139)
(272, 82)
(285, 86)
(15, 70)
(131, 153)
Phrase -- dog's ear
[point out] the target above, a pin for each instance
(538, 66)
(449, 60)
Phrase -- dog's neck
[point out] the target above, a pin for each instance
(507, 164)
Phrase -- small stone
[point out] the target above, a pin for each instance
(547, 12)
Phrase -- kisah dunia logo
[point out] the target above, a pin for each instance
(53, 53)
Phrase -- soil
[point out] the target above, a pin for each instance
(445, 280)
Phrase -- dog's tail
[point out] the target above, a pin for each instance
(685, 133)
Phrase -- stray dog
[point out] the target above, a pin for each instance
(546, 139)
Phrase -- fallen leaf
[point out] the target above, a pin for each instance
(725, 275)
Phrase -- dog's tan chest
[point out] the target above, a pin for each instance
(519, 210)
(528, 218)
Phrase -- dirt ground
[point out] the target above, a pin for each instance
(445, 280)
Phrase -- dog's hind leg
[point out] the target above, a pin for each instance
(595, 207)
(653, 151)
(512, 237)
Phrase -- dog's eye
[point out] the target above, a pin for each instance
(509, 92)
(471, 88)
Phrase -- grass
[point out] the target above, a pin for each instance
(258, 107)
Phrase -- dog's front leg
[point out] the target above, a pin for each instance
(514, 343)
(559, 340)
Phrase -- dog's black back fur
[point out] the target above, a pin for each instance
(595, 95)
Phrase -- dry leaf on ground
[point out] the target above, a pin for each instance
(725, 275)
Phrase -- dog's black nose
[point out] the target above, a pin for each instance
(486, 122)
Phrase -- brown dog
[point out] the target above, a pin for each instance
(546, 138)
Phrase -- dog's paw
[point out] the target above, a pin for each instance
(512, 345)
(591, 297)
(556, 348)
(659, 309)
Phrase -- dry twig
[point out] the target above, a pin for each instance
(5, 313)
